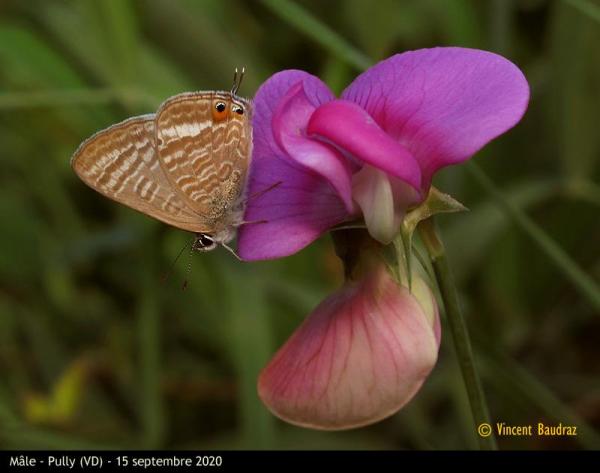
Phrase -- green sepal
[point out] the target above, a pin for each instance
(436, 202)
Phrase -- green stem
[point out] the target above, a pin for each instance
(458, 328)
(149, 330)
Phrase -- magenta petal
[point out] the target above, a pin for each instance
(349, 127)
(359, 357)
(302, 205)
(291, 215)
(267, 99)
(442, 104)
(289, 125)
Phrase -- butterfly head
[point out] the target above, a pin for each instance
(227, 107)
(204, 242)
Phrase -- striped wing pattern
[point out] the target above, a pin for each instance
(205, 159)
(125, 164)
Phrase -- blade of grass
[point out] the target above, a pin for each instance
(152, 72)
(195, 24)
(251, 347)
(151, 406)
(322, 34)
(460, 23)
(581, 281)
(16, 434)
(509, 375)
(65, 98)
(120, 24)
(584, 190)
(22, 437)
(31, 63)
(471, 236)
(500, 17)
(585, 7)
(573, 108)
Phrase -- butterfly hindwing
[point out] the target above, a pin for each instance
(121, 162)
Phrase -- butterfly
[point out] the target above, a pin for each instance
(184, 165)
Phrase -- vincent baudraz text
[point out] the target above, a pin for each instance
(124, 461)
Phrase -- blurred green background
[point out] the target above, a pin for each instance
(96, 352)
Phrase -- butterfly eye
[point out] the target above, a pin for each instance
(220, 111)
(203, 242)
(237, 109)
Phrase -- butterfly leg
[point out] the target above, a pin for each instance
(251, 222)
(262, 192)
(242, 204)
(231, 250)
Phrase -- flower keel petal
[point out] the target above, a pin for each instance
(351, 128)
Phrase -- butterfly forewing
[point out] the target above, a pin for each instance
(122, 163)
(203, 144)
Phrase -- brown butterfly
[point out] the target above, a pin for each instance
(185, 165)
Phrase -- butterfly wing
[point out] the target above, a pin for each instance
(204, 151)
(121, 163)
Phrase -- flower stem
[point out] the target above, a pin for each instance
(460, 334)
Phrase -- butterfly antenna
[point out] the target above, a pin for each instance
(251, 222)
(254, 196)
(234, 87)
(188, 270)
(170, 271)
(241, 77)
(237, 80)
(231, 250)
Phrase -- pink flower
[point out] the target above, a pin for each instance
(319, 161)
(375, 150)
(359, 357)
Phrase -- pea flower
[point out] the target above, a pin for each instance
(373, 151)
(319, 161)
